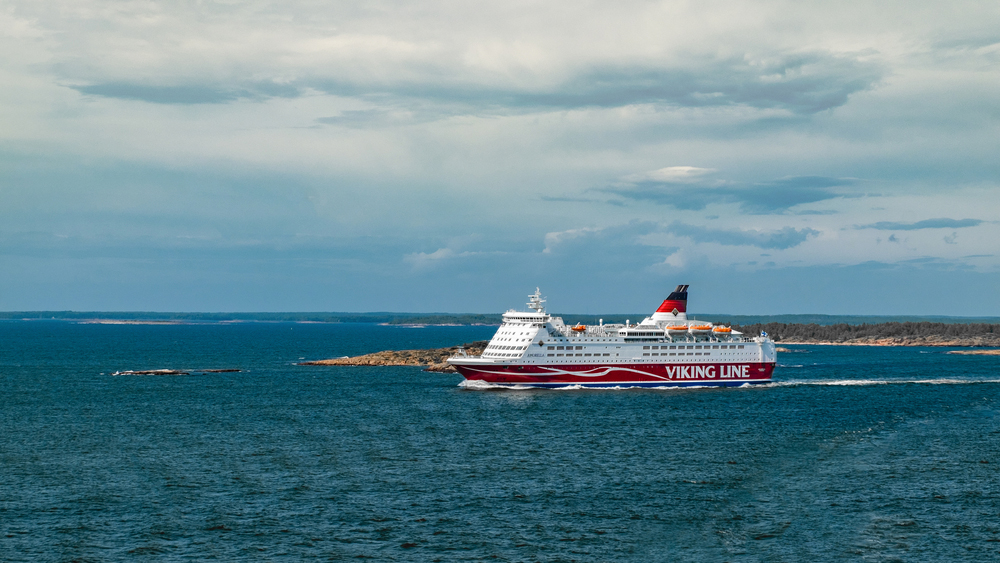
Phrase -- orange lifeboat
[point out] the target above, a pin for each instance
(724, 330)
(700, 329)
(677, 328)
(580, 328)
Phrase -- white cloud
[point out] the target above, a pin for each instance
(670, 174)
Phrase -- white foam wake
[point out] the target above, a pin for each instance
(836, 382)
(476, 384)
(479, 385)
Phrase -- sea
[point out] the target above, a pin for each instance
(852, 454)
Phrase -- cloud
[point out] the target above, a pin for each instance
(618, 246)
(186, 94)
(801, 83)
(777, 196)
(942, 223)
(426, 260)
(369, 118)
(781, 239)
(670, 174)
(421, 72)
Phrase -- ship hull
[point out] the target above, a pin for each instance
(618, 375)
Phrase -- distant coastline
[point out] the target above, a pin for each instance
(956, 332)
(955, 335)
(467, 319)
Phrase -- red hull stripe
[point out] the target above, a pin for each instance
(631, 374)
(670, 304)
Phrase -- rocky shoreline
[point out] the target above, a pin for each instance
(434, 359)
(932, 341)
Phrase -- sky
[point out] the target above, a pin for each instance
(450, 156)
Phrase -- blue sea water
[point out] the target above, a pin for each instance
(853, 454)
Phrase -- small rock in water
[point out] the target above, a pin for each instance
(151, 372)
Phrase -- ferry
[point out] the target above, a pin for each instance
(535, 349)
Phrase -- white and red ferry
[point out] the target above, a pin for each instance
(667, 349)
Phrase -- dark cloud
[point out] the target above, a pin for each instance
(780, 239)
(186, 94)
(758, 199)
(799, 83)
(802, 83)
(942, 223)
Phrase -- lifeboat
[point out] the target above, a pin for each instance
(700, 329)
(677, 328)
(722, 330)
(579, 328)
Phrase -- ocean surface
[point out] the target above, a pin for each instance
(853, 454)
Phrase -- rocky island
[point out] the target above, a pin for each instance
(433, 359)
(957, 335)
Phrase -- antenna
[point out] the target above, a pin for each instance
(535, 301)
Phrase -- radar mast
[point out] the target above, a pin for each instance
(535, 301)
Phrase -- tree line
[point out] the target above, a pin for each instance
(847, 332)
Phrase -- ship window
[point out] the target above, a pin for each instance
(579, 347)
(559, 348)
(645, 347)
(673, 353)
(586, 354)
(560, 355)
(741, 347)
(550, 354)
(607, 354)
(551, 347)
(646, 354)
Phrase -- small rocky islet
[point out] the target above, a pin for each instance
(434, 359)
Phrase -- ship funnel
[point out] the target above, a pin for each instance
(674, 307)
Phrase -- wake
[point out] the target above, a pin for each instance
(475, 384)
(868, 382)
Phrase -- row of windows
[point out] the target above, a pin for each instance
(560, 355)
(716, 347)
(677, 354)
(497, 347)
(676, 347)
